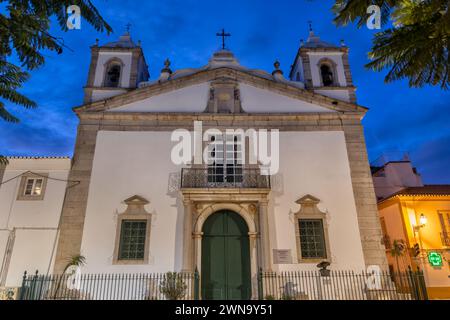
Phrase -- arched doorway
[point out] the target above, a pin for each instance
(225, 270)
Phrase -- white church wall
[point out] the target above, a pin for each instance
(34, 220)
(336, 94)
(194, 99)
(190, 99)
(105, 94)
(316, 163)
(256, 100)
(138, 163)
(104, 57)
(298, 69)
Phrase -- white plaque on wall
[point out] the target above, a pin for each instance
(282, 256)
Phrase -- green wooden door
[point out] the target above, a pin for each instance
(225, 272)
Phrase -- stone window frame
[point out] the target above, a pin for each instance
(135, 211)
(21, 196)
(333, 66)
(309, 210)
(107, 65)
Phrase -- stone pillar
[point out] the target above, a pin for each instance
(198, 250)
(253, 264)
(265, 236)
(75, 201)
(187, 237)
(365, 199)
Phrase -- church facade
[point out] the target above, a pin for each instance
(135, 209)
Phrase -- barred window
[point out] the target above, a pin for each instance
(132, 240)
(312, 239)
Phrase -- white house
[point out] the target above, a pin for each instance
(31, 198)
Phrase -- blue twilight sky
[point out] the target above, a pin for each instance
(400, 119)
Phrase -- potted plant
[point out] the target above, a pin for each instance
(173, 286)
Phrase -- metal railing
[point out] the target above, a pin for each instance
(139, 286)
(445, 238)
(224, 177)
(290, 285)
(341, 285)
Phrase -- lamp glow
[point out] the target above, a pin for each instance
(423, 220)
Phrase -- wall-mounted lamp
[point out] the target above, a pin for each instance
(422, 222)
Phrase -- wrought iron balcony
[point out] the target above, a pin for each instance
(224, 177)
(445, 237)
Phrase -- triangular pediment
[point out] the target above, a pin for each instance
(190, 94)
(136, 200)
(257, 100)
(189, 99)
(308, 199)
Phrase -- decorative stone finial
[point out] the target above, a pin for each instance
(277, 72)
(139, 43)
(276, 64)
(301, 42)
(165, 72)
(96, 42)
(166, 66)
(310, 28)
(342, 43)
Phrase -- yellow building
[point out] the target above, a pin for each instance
(417, 217)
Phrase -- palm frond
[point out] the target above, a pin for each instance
(75, 261)
(3, 161)
(5, 115)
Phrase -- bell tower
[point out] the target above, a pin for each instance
(324, 68)
(115, 68)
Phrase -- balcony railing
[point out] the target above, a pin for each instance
(445, 237)
(224, 177)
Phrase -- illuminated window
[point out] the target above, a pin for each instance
(32, 187)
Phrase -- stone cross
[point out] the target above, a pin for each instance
(223, 35)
